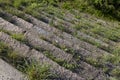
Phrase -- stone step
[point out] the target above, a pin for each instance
(57, 22)
(40, 26)
(35, 41)
(25, 51)
(81, 21)
(7, 72)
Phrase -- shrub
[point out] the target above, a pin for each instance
(107, 7)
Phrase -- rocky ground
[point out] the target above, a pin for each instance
(76, 45)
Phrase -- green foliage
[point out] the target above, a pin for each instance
(109, 8)
(113, 78)
(112, 34)
(19, 37)
(114, 59)
(71, 66)
(116, 72)
(116, 50)
(93, 62)
(5, 2)
(38, 72)
(4, 49)
(17, 3)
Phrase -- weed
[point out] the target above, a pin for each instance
(116, 50)
(116, 72)
(71, 66)
(113, 78)
(5, 31)
(14, 11)
(19, 37)
(110, 34)
(4, 49)
(39, 72)
(93, 62)
(114, 59)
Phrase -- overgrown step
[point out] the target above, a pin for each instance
(62, 34)
(77, 16)
(68, 27)
(88, 54)
(24, 50)
(51, 37)
(67, 38)
(80, 34)
(80, 47)
(62, 14)
(35, 41)
(82, 23)
(7, 72)
(56, 31)
(109, 26)
(93, 19)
